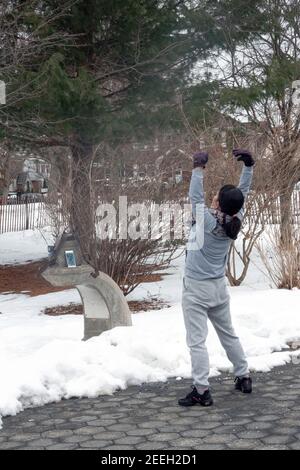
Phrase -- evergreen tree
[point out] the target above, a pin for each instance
(109, 70)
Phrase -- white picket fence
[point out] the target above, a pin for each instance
(23, 215)
(31, 215)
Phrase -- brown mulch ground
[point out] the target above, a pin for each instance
(77, 309)
(71, 309)
(146, 305)
(26, 278)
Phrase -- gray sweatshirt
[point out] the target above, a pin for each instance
(209, 261)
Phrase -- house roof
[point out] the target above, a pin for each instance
(25, 176)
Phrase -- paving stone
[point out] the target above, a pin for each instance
(152, 445)
(259, 426)
(188, 442)
(110, 435)
(212, 447)
(291, 431)
(176, 449)
(194, 433)
(28, 425)
(67, 414)
(277, 439)
(293, 446)
(76, 439)
(120, 427)
(93, 444)
(154, 406)
(164, 418)
(102, 422)
(161, 399)
(32, 448)
(224, 429)
(67, 426)
(252, 434)
(151, 425)
(220, 439)
(41, 443)
(239, 422)
(174, 428)
(89, 430)
(52, 421)
(243, 444)
(25, 437)
(271, 447)
(131, 440)
(135, 420)
(118, 447)
(266, 417)
(82, 419)
(150, 395)
(115, 416)
(141, 432)
(57, 434)
(289, 422)
(164, 437)
(10, 445)
(38, 430)
(62, 446)
(207, 426)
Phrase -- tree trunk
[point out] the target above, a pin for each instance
(5, 176)
(82, 217)
(286, 215)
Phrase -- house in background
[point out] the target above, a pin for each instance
(38, 166)
(30, 182)
(33, 178)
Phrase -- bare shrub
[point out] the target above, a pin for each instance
(131, 262)
(281, 257)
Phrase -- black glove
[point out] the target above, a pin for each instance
(244, 156)
(200, 159)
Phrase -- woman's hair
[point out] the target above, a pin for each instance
(231, 200)
(233, 228)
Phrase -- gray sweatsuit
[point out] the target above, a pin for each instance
(205, 294)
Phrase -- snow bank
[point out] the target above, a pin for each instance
(42, 359)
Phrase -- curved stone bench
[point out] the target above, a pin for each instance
(104, 304)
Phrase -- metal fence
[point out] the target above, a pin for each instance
(16, 215)
(28, 214)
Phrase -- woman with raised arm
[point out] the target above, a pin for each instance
(205, 294)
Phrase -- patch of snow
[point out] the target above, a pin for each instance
(21, 247)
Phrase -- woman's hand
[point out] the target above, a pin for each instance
(244, 156)
(200, 159)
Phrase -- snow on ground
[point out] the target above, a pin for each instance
(43, 359)
(20, 247)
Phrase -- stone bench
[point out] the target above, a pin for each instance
(104, 304)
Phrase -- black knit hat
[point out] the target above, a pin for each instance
(231, 199)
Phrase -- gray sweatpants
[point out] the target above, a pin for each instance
(209, 299)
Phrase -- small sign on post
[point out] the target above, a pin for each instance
(2, 92)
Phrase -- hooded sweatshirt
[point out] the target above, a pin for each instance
(208, 245)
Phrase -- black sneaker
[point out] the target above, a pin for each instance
(194, 398)
(243, 384)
